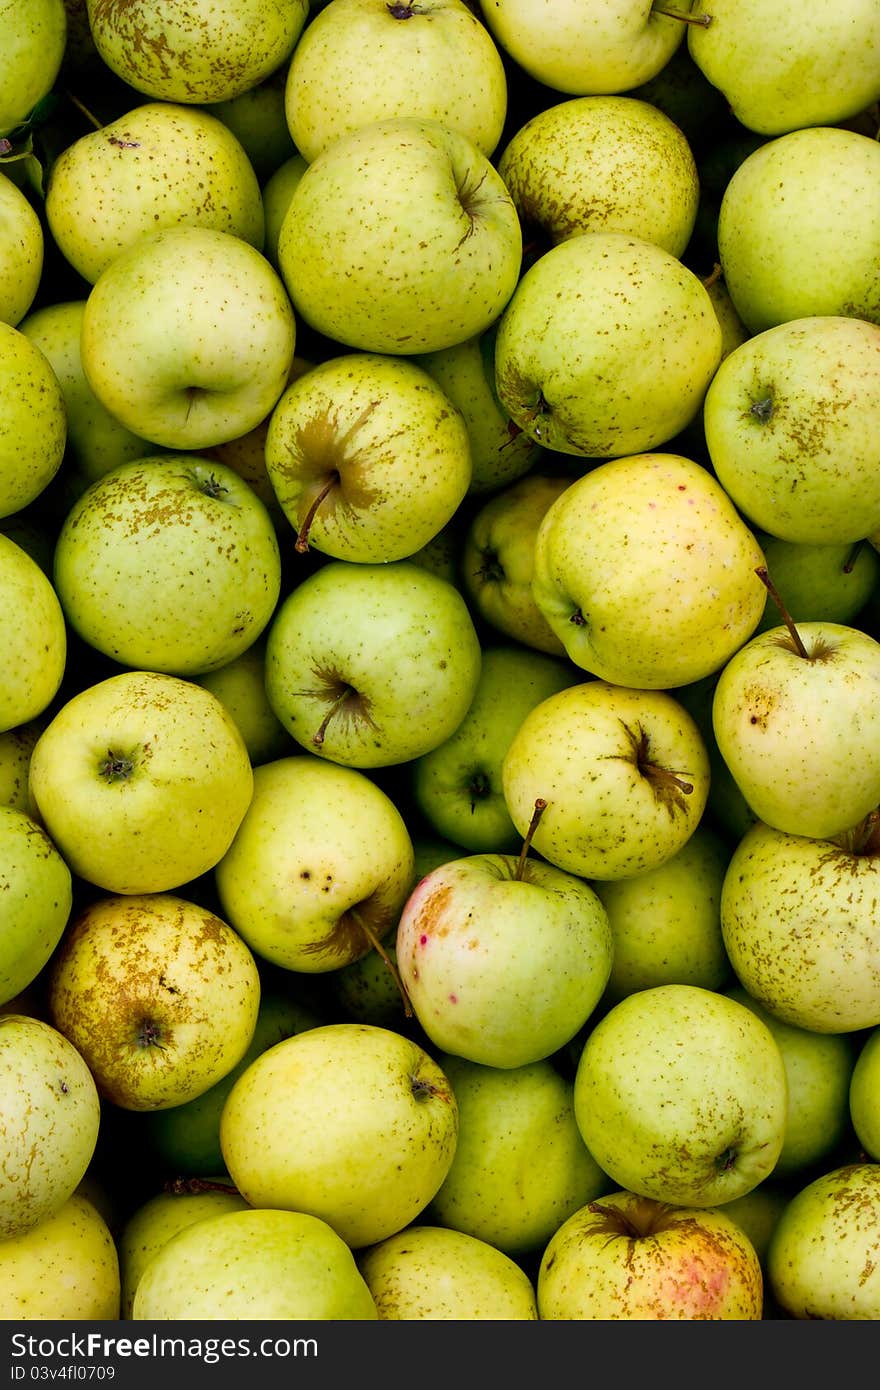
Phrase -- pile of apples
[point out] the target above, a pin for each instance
(440, 709)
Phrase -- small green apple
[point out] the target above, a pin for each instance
(257, 119)
(36, 889)
(431, 1273)
(240, 685)
(819, 583)
(64, 1269)
(16, 746)
(277, 193)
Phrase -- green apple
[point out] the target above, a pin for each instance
(158, 165)
(680, 1095)
(457, 786)
(368, 457)
(33, 423)
(168, 563)
(203, 52)
(726, 808)
(424, 226)
(757, 1212)
(64, 1269)
(277, 193)
(791, 420)
(23, 252)
(503, 959)
(257, 119)
(666, 921)
(157, 993)
(142, 780)
(823, 1261)
(824, 583)
(520, 1167)
(631, 1257)
(602, 164)
(320, 865)
(798, 231)
(372, 665)
(779, 74)
(606, 346)
(16, 746)
(254, 1265)
(240, 685)
(796, 715)
(50, 1113)
(34, 637)
(360, 61)
(798, 917)
(433, 1274)
(188, 337)
(864, 1094)
(624, 773)
(645, 571)
(36, 888)
(352, 1123)
(34, 37)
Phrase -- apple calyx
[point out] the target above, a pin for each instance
(490, 568)
(404, 11)
(670, 788)
(342, 699)
(762, 410)
(703, 20)
(796, 640)
(537, 813)
(116, 767)
(468, 188)
(210, 485)
(149, 1034)
(302, 535)
(376, 942)
(478, 788)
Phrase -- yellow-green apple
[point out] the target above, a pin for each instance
(824, 583)
(360, 61)
(188, 337)
(372, 665)
(778, 74)
(257, 119)
(434, 1274)
(602, 164)
(33, 423)
(34, 637)
(624, 773)
(277, 192)
(49, 1121)
(799, 231)
(64, 1269)
(368, 457)
(158, 165)
(503, 958)
(823, 1261)
(680, 1095)
(666, 921)
(630, 1257)
(791, 420)
(796, 714)
(864, 1094)
(457, 786)
(142, 780)
(320, 865)
(425, 228)
(34, 37)
(818, 1068)
(353, 1123)
(204, 51)
(23, 252)
(726, 808)
(757, 1212)
(799, 921)
(254, 1265)
(520, 1167)
(168, 524)
(240, 685)
(606, 346)
(36, 889)
(662, 612)
(16, 746)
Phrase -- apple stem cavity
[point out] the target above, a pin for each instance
(764, 576)
(703, 20)
(862, 840)
(537, 813)
(388, 962)
(402, 11)
(182, 1187)
(116, 767)
(302, 536)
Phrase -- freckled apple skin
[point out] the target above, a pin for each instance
(823, 1260)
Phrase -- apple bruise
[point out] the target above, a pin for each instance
(671, 789)
(326, 470)
(341, 699)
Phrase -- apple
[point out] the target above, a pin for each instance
(33, 424)
(423, 224)
(372, 665)
(320, 865)
(34, 37)
(36, 886)
(161, 526)
(188, 337)
(353, 1123)
(631, 1257)
(16, 746)
(257, 119)
(798, 917)
(141, 780)
(621, 554)
(51, 1113)
(158, 165)
(277, 192)
(360, 61)
(503, 958)
(433, 1274)
(606, 346)
(64, 1269)
(798, 231)
(602, 164)
(457, 786)
(824, 583)
(520, 1167)
(864, 1094)
(253, 1266)
(625, 774)
(795, 714)
(791, 419)
(240, 685)
(757, 1213)
(34, 638)
(204, 52)
(680, 1095)
(23, 248)
(368, 457)
(824, 1256)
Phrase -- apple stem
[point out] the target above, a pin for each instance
(849, 563)
(318, 735)
(663, 774)
(540, 808)
(704, 20)
(181, 1186)
(774, 593)
(302, 537)
(389, 963)
(75, 101)
(713, 276)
